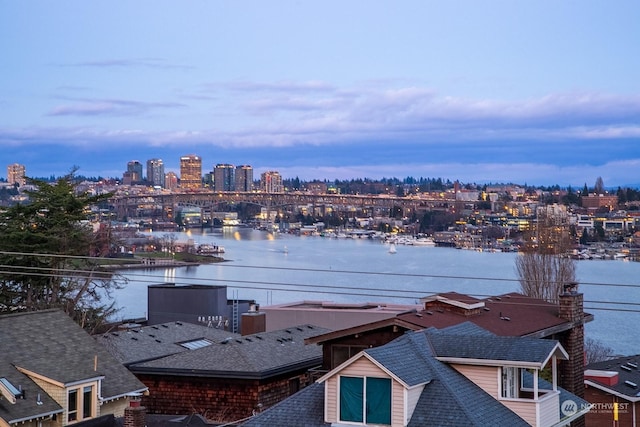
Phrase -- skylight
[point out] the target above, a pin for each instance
(196, 344)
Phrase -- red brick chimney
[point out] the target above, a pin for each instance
(572, 371)
(134, 414)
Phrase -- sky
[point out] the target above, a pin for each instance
(532, 92)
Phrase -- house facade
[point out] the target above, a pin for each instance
(510, 314)
(53, 374)
(195, 369)
(461, 375)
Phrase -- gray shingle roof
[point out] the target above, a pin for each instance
(515, 349)
(156, 349)
(49, 343)
(305, 408)
(627, 376)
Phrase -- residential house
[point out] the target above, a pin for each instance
(510, 314)
(457, 376)
(53, 374)
(612, 387)
(195, 369)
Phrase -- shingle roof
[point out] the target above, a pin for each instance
(627, 376)
(516, 349)
(49, 343)
(153, 342)
(305, 408)
(156, 349)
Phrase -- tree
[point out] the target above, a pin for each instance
(543, 267)
(599, 187)
(45, 250)
(596, 351)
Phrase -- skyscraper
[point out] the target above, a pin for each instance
(244, 178)
(155, 172)
(171, 181)
(271, 182)
(16, 173)
(133, 175)
(223, 177)
(191, 171)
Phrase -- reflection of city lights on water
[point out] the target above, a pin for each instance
(170, 275)
(237, 236)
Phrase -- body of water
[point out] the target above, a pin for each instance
(275, 269)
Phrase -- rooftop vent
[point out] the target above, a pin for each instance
(626, 368)
(633, 365)
(631, 384)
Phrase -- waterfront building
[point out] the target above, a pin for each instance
(191, 171)
(155, 172)
(223, 177)
(271, 182)
(170, 181)
(244, 178)
(16, 174)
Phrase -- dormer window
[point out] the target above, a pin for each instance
(80, 403)
(365, 400)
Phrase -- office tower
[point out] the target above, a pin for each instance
(191, 171)
(244, 178)
(155, 172)
(134, 167)
(170, 181)
(271, 182)
(16, 173)
(223, 177)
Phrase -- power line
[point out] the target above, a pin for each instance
(290, 287)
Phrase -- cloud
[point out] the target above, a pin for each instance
(109, 107)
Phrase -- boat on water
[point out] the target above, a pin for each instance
(208, 249)
(424, 241)
(392, 248)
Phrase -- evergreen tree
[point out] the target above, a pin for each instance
(46, 246)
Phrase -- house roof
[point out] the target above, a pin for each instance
(494, 350)
(158, 350)
(49, 344)
(511, 314)
(448, 397)
(627, 370)
(305, 408)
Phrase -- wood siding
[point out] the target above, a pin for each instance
(218, 399)
(485, 377)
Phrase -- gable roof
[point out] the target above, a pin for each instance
(49, 344)
(157, 350)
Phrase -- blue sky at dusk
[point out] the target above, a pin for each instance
(542, 92)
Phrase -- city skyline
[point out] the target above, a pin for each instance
(538, 93)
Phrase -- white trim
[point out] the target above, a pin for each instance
(452, 302)
(357, 357)
(489, 362)
(611, 391)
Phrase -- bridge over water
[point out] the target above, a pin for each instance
(163, 205)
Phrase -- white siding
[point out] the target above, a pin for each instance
(412, 400)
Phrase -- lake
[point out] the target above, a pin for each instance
(274, 269)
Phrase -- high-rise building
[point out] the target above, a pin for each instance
(223, 179)
(191, 171)
(170, 181)
(16, 173)
(244, 178)
(155, 172)
(271, 182)
(133, 175)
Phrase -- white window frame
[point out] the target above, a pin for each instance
(510, 382)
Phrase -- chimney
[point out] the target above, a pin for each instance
(571, 309)
(253, 321)
(134, 414)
